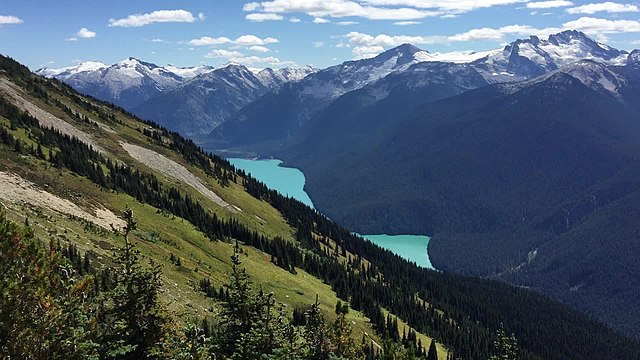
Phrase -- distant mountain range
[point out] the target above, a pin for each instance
(520, 60)
(128, 83)
(521, 162)
(192, 100)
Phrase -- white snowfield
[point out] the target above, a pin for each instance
(175, 171)
(15, 189)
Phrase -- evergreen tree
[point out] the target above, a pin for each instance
(43, 314)
(433, 351)
(505, 346)
(317, 334)
(342, 338)
(133, 322)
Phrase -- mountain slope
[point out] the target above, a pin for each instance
(496, 174)
(527, 58)
(286, 246)
(279, 115)
(127, 83)
(205, 101)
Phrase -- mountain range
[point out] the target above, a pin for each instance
(192, 100)
(214, 238)
(520, 162)
(531, 180)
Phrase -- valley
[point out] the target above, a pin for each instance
(521, 164)
(290, 182)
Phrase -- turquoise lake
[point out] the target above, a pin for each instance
(290, 182)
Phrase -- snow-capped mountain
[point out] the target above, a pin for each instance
(272, 78)
(204, 102)
(286, 109)
(86, 66)
(633, 58)
(403, 77)
(351, 75)
(127, 83)
(527, 58)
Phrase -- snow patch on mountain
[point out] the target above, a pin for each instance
(272, 78)
(457, 57)
(528, 58)
(71, 70)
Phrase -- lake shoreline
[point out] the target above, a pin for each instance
(290, 182)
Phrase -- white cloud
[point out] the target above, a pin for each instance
(347, 23)
(85, 33)
(258, 48)
(484, 34)
(260, 17)
(548, 4)
(157, 40)
(72, 39)
(363, 45)
(9, 19)
(365, 50)
(254, 40)
(405, 23)
(320, 20)
(603, 26)
(221, 53)
(459, 6)
(343, 8)
(608, 6)
(295, 20)
(252, 6)
(206, 41)
(244, 40)
(159, 16)
(318, 44)
(359, 39)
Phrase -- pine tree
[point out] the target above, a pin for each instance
(132, 320)
(342, 338)
(433, 351)
(316, 334)
(505, 346)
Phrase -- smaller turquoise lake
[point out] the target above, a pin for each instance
(287, 181)
(290, 182)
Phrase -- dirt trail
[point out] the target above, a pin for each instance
(46, 119)
(17, 190)
(174, 170)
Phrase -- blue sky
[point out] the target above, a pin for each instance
(279, 33)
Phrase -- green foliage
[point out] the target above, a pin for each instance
(505, 345)
(132, 321)
(458, 312)
(433, 352)
(43, 314)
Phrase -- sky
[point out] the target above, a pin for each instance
(281, 33)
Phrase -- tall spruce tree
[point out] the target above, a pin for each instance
(505, 345)
(433, 351)
(133, 322)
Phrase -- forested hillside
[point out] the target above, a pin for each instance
(201, 263)
(532, 182)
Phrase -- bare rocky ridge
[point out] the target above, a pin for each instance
(175, 171)
(45, 118)
(15, 189)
